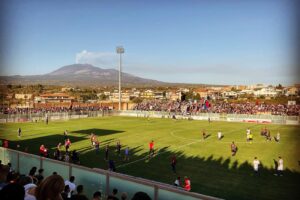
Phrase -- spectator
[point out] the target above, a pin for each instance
(32, 171)
(24, 180)
(50, 188)
(30, 191)
(113, 196)
(97, 196)
(79, 195)
(32, 174)
(71, 185)
(12, 191)
(124, 196)
(11, 169)
(65, 194)
(141, 196)
(39, 176)
(4, 170)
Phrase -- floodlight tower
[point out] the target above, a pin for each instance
(120, 51)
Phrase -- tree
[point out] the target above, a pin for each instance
(103, 97)
(279, 86)
(197, 97)
(136, 100)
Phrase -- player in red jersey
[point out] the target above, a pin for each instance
(151, 149)
(67, 144)
(43, 151)
(187, 184)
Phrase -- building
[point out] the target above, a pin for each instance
(159, 95)
(114, 96)
(256, 86)
(246, 91)
(54, 98)
(292, 91)
(148, 94)
(23, 96)
(174, 96)
(266, 92)
(202, 92)
(66, 89)
(230, 94)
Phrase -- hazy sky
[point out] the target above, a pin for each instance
(221, 42)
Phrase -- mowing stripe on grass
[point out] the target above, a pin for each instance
(195, 141)
(126, 164)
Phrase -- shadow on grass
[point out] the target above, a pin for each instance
(98, 132)
(216, 176)
(51, 141)
(223, 177)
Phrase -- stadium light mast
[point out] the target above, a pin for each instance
(120, 51)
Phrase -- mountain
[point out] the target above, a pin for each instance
(81, 75)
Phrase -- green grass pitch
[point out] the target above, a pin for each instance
(209, 164)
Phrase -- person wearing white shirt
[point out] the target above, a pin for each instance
(71, 184)
(280, 166)
(256, 163)
(278, 137)
(29, 191)
(219, 135)
(177, 182)
(248, 132)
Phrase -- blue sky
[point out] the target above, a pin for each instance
(218, 42)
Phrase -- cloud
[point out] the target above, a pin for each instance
(238, 71)
(99, 59)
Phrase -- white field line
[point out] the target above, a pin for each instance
(126, 164)
(172, 134)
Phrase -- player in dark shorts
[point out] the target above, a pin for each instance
(233, 148)
(151, 149)
(203, 134)
(118, 148)
(173, 163)
(106, 152)
(19, 132)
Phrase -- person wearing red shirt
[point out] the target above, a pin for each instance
(43, 151)
(67, 144)
(187, 184)
(151, 149)
(5, 144)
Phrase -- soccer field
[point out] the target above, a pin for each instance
(208, 163)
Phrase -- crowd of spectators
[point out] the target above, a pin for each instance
(182, 107)
(34, 186)
(52, 109)
(187, 107)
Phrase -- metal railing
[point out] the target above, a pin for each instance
(32, 117)
(97, 179)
